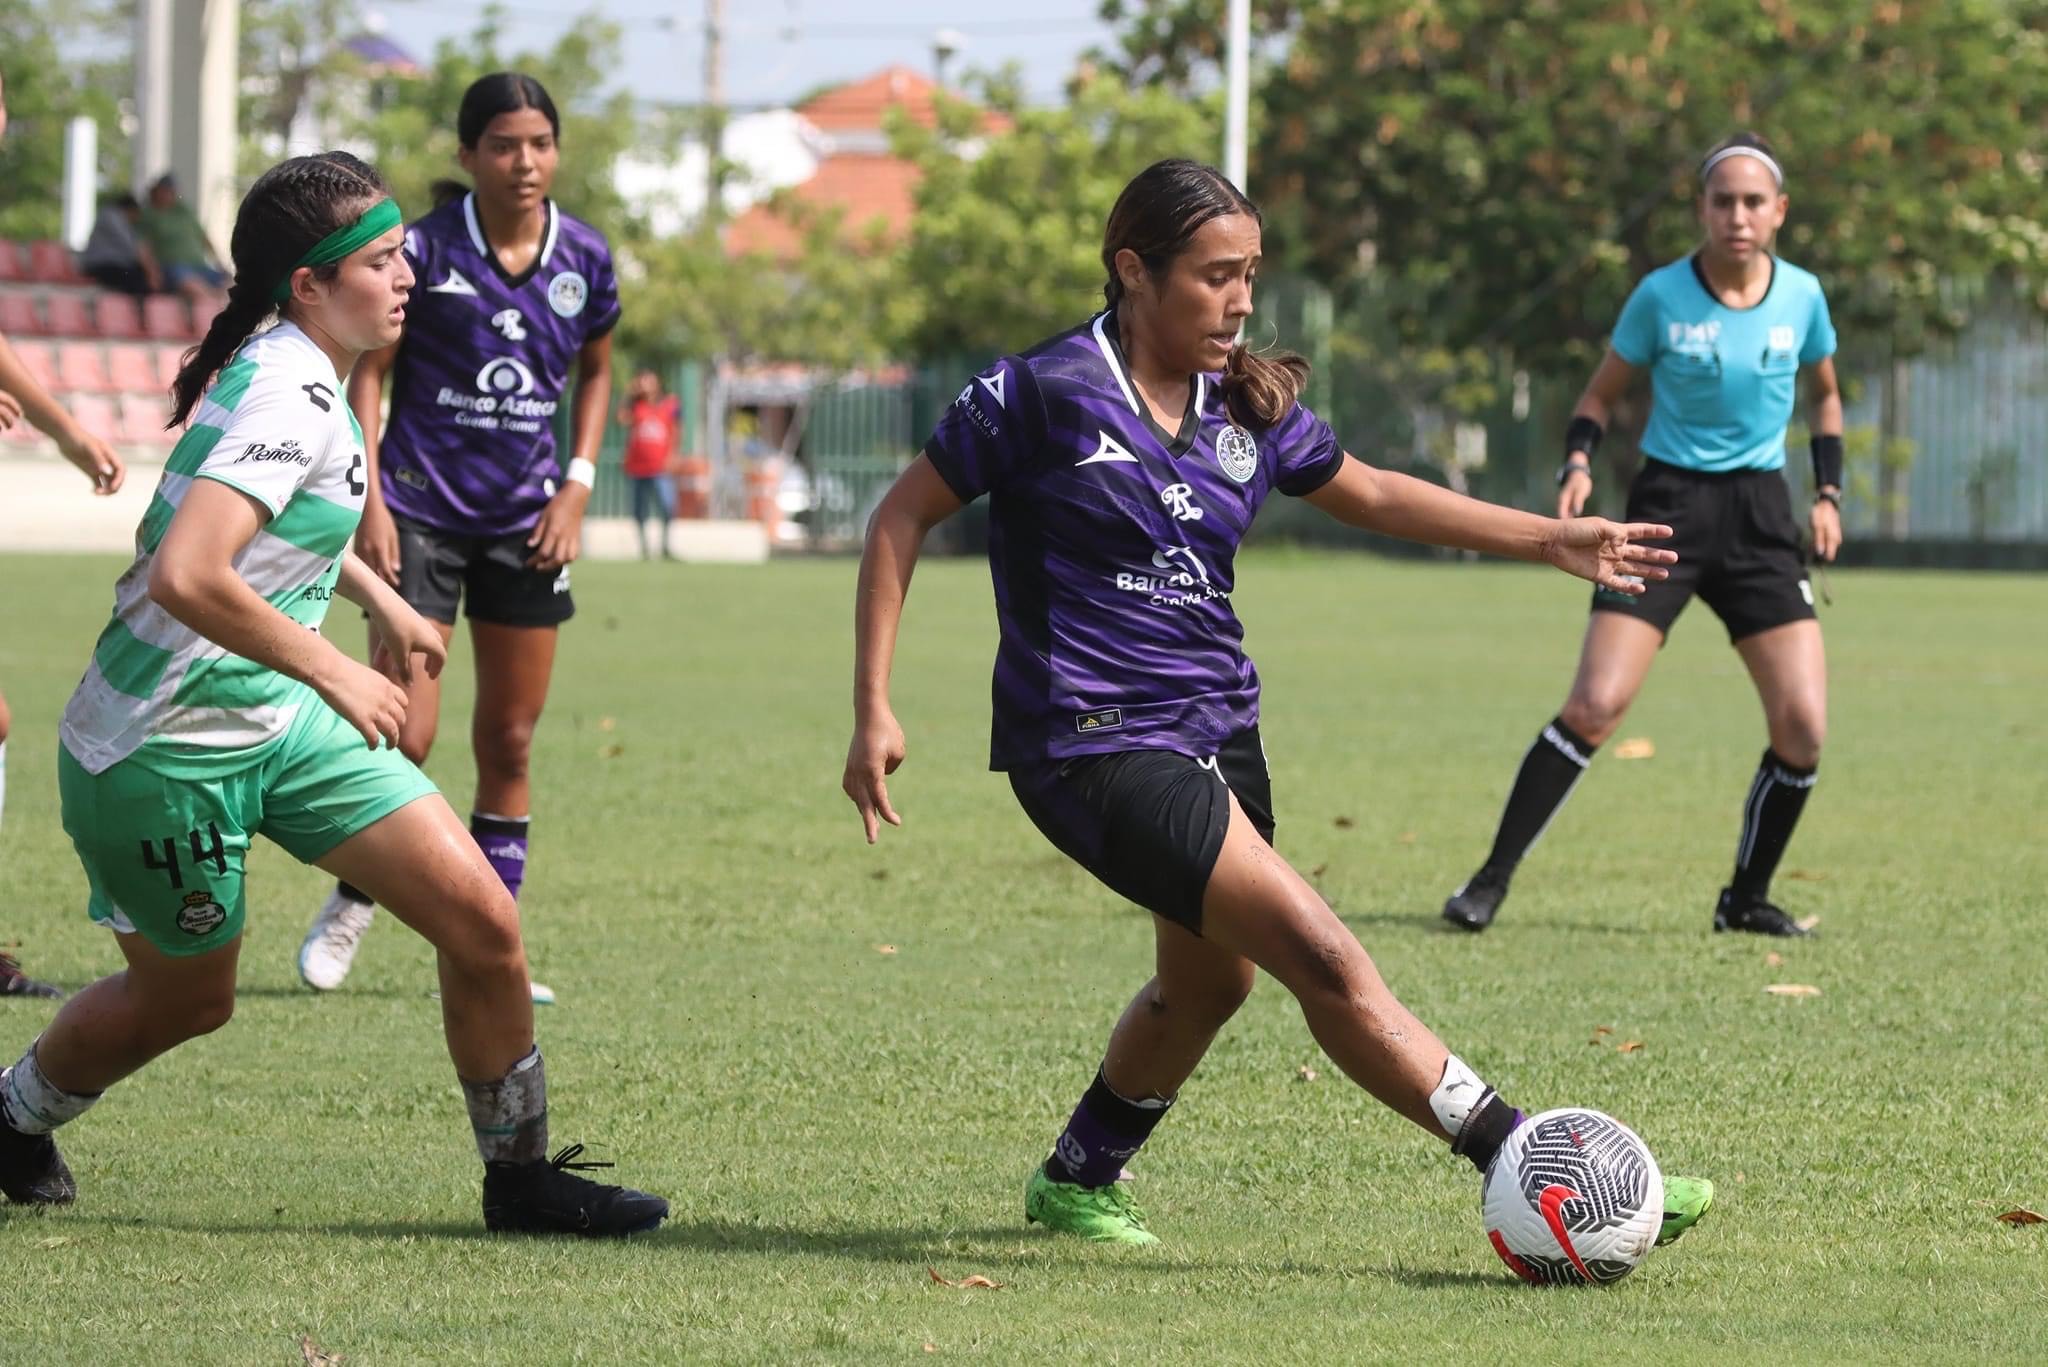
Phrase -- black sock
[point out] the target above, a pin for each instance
(1776, 797)
(1486, 1129)
(1544, 781)
(1105, 1130)
(352, 892)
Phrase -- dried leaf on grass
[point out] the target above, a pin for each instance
(2022, 1216)
(1630, 1047)
(1636, 747)
(313, 1355)
(885, 949)
(1306, 1073)
(1600, 1033)
(1808, 922)
(1343, 823)
(612, 751)
(1804, 876)
(1793, 990)
(977, 1280)
(1774, 960)
(607, 723)
(931, 1347)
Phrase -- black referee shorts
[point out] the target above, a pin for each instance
(1739, 549)
(437, 570)
(1150, 823)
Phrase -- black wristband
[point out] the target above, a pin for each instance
(1572, 467)
(1582, 437)
(1827, 461)
(1827, 496)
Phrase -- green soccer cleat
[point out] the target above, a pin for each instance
(1103, 1215)
(1686, 1199)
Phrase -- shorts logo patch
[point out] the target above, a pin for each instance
(568, 293)
(562, 580)
(1806, 591)
(1237, 454)
(1103, 719)
(200, 915)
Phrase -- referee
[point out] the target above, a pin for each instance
(1724, 334)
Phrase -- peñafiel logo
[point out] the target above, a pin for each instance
(287, 452)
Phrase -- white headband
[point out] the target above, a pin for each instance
(1707, 166)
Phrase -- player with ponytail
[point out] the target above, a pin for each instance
(213, 711)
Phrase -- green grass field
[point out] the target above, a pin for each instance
(831, 1119)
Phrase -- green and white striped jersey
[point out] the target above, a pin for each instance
(276, 426)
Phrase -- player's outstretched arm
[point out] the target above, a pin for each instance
(1610, 554)
(29, 399)
(917, 502)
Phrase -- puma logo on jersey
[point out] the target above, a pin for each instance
(1108, 451)
(456, 283)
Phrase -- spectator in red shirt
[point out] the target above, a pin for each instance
(650, 418)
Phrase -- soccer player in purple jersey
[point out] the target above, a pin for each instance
(468, 494)
(1124, 461)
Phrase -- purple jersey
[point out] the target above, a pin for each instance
(1113, 547)
(483, 365)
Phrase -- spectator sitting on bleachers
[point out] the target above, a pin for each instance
(114, 255)
(184, 253)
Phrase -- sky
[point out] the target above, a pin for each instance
(778, 49)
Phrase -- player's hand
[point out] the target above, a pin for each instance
(10, 410)
(97, 460)
(1826, 522)
(558, 537)
(876, 752)
(365, 699)
(1573, 493)
(377, 540)
(401, 636)
(1611, 554)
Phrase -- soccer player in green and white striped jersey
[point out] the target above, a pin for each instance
(210, 713)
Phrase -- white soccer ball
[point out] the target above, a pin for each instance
(1573, 1197)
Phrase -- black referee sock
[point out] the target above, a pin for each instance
(1550, 769)
(1776, 797)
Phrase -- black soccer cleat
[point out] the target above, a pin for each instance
(1474, 906)
(32, 1172)
(1746, 912)
(546, 1197)
(15, 983)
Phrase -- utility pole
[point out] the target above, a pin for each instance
(1237, 91)
(714, 111)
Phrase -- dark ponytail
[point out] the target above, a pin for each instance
(286, 213)
(1157, 216)
(501, 92)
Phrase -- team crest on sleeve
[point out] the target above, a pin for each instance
(1237, 453)
(568, 293)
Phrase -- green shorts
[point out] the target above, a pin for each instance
(163, 853)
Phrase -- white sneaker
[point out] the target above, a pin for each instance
(330, 944)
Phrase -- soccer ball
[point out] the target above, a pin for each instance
(1574, 1196)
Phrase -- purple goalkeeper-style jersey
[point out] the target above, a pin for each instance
(1113, 545)
(482, 367)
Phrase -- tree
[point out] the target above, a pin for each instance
(1007, 243)
(1498, 176)
(43, 94)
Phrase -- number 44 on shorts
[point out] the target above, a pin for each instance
(205, 847)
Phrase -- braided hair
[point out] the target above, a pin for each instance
(1157, 216)
(289, 209)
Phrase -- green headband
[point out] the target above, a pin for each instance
(381, 219)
